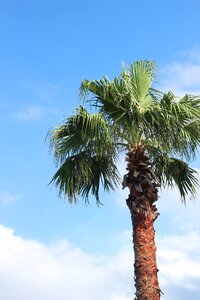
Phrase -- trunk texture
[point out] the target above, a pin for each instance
(143, 185)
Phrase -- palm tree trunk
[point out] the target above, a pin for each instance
(146, 279)
(143, 193)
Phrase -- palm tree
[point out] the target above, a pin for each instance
(159, 133)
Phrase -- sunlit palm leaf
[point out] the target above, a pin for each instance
(127, 97)
(175, 126)
(129, 111)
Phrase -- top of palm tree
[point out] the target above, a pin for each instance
(127, 111)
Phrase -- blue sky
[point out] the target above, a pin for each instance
(47, 49)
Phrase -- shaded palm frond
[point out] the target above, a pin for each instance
(173, 172)
(184, 124)
(82, 174)
(79, 133)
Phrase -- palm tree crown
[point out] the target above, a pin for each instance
(159, 133)
(127, 111)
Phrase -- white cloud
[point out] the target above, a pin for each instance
(31, 270)
(7, 198)
(183, 77)
(179, 264)
(30, 112)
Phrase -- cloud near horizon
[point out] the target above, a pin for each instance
(35, 271)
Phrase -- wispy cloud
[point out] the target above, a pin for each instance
(28, 113)
(184, 76)
(43, 91)
(8, 198)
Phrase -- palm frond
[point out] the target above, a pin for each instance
(175, 124)
(128, 111)
(127, 93)
(79, 133)
(142, 74)
(125, 100)
(84, 147)
(82, 174)
(174, 172)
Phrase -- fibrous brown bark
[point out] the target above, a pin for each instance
(143, 185)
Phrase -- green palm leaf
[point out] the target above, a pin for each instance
(128, 111)
(173, 172)
(79, 133)
(82, 174)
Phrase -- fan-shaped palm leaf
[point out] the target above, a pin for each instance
(83, 173)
